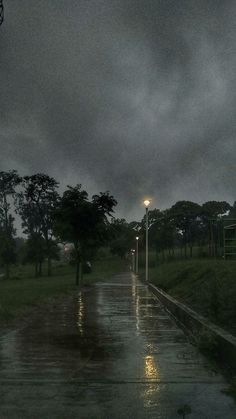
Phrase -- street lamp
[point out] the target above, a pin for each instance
(137, 254)
(146, 203)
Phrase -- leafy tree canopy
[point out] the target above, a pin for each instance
(213, 209)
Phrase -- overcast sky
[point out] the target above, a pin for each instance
(132, 96)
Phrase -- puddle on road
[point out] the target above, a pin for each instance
(111, 345)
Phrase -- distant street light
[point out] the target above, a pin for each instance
(133, 259)
(137, 238)
(146, 203)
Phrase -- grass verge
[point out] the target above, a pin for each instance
(24, 291)
(207, 286)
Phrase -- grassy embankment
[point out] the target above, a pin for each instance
(24, 291)
(208, 286)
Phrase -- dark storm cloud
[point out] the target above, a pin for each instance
(137, 97)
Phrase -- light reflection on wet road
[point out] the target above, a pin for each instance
(109, 352)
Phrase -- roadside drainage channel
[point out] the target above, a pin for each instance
(197, 326)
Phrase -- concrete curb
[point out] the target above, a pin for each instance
(198, 326)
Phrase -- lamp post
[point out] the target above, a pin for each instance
(146, 203)
(136, 255)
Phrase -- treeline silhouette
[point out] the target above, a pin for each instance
(49, 218)
(185, 230)
(188, 226)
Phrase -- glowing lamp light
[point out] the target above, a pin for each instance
(146, 203)
(137, 238)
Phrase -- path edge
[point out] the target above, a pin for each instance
(199, 328)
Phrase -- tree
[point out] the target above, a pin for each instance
(122, 236)
(8, 183)
(7, 247)
(36, 205)
(82, 222)
(214, 209)
(162, 231)
(35, 252)
(212, 213)
(20, 247)
(184, 215)
(185, 410)
(232, 212)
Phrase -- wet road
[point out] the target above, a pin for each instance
(109, 352)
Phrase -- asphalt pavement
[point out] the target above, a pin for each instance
(110, 351)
